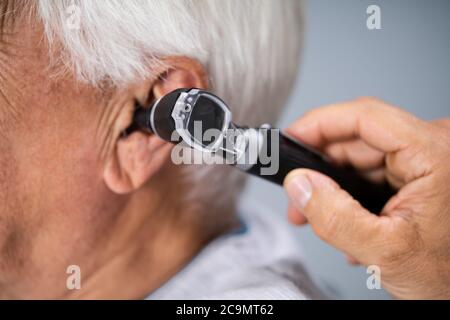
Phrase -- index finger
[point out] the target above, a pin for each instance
(380, 125)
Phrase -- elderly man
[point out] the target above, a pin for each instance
(87, 213)
(74, 196)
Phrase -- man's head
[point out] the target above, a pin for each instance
(71, 190)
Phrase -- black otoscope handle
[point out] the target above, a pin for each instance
(293, 155)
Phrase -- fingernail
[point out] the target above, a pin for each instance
(299, 190)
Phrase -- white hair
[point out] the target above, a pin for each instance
(249, 48)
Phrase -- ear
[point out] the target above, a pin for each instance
(135, 159)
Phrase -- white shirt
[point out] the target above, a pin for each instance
(263, 260)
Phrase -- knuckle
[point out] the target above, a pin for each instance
(367, 108)
(311, 113)
(368, 101)
(307, 117)
(438, 143)
(371, 105)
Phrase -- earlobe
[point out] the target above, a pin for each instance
(137, 158)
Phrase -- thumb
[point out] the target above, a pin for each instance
(333, 214)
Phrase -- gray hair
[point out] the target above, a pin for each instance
(250, 49)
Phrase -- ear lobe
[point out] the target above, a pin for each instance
(136, 160)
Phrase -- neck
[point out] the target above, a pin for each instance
(150, 243)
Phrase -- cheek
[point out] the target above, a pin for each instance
(52, 199)
(8, 177)
(14, 235)
(52, 196)
(8, 172)
(59, 167)
(58, 174)
(60, 178)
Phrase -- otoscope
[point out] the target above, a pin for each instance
(203, 122)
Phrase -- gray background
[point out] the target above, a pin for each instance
(406, 63)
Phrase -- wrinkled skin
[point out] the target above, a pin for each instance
(410, 241)
(73, 193)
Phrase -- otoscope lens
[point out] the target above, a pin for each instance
(206, 121)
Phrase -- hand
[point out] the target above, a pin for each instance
(410, 240)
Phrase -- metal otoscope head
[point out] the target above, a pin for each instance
(197, 117)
